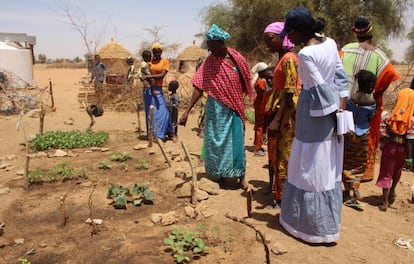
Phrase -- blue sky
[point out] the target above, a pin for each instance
(125, 21)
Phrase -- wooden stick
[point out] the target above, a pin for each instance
(52, 105)
(139, 120)
(26, 164)
(42, 118)
(63, 210)
(150, 134)
(94, 229)
(162, 151)
(262, 237)
(193, 175)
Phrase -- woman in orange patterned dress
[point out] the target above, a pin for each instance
(281, 107)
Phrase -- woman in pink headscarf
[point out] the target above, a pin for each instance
(281, 107)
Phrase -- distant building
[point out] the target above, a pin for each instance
(17, 59)
(188, 58)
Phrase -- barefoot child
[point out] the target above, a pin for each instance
(174, 102)
(362, 105)
(394, 129)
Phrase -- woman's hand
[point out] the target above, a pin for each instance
(183, 119)
(274, 128)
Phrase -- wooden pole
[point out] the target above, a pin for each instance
(193, 176)
(26, 164)
(162, 151)
(42, 118)
(139, 120)
(52, 106)
(150, 134)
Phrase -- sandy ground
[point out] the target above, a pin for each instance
(366, 236)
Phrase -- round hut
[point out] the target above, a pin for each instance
(188, 58)
(114, 56)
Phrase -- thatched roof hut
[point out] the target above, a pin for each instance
(114, 56)
(188, 58)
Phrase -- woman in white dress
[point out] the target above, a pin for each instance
(312, 196)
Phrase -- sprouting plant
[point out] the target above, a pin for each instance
(143, 194)
(105, 165)
(24, 261)
(63, 170)
(121, 156)
(124, 166)
(35, 176)
(141, 165)
(119, 195)
(81, 172)
(182, 241)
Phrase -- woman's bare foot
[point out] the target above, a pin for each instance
(383, 207)
(391, 198)
(244, 185)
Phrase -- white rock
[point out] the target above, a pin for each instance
(20, 172)
(10, 157)
(4, 190)
(60, 153)
(156, 218)
(201, 195)
(189, 211)
(104, 149)
(41, 154)
(19, 241)
(5, 165)
(140, 146)
(95, 221)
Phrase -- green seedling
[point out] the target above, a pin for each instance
(121, 156)
(143, 194)
(105, 165)
(183, 241)
(119, 195)
(68, 140)
(142, 165)
(35, 176)
(64, 170)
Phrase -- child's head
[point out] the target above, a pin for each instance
(173, 86)
(267, 74)
(366, 81)
(146, 55)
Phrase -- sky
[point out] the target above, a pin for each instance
(124, 21)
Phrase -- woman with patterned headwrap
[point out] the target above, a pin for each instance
(225, 76)
(363, 55)
(161, 124)
(281, 107)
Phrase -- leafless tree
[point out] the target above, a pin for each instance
(83, 25)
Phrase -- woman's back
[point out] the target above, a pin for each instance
(317, 63)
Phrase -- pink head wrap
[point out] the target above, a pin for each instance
(276, 28)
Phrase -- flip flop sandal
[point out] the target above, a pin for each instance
(351, 203)
(404, 243)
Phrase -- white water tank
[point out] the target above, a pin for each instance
(18, 61)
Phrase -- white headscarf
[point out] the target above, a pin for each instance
(260, 66)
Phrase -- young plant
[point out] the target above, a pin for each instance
(105, 165)
(121, 156)
(143, 194)
(142, 165)
(64, 170)
(182, 242)
(35, 176)
(68, 140)
(119, 195)
(24, 261)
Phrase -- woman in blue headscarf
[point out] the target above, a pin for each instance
(225, 76)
